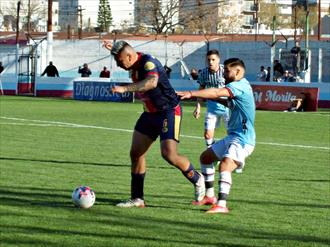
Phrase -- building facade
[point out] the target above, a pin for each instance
(71, 12)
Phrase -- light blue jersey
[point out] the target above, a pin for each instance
(209, 79)
(242, 112)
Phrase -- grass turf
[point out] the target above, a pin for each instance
(50, 146)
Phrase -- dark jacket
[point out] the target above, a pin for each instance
(51, 71)
(85, 72)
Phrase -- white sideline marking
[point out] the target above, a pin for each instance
(63, 124)
(44, 123)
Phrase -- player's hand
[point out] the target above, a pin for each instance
(118, 89)
(107, 44)
(184, 94)
(197, 112)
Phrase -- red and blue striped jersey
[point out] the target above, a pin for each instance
(162, 97)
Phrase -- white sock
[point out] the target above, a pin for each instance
(208, 172)
(209, 192)
(222, 203)
(209, 142)
(225, 182)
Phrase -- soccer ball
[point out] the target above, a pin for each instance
(83, 197)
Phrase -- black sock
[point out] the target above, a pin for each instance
(137, 183)
(191, 174)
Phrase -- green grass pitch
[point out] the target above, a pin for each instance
(50, 146)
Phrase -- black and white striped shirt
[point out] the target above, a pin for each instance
(208, 79)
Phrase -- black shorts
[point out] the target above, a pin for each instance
(165, 124)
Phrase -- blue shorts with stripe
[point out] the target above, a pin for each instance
(165, 124)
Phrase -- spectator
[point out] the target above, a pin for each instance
(278, 70)
(1, 68)
(84, 71)
(262, 75)
(168, 71)
(105, 73)
(295, 51)
(268, 74)
(287, 77)
(50, 70)
(194, 74)
(298, 104)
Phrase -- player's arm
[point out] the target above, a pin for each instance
(209, 93)
(222, 101)
(297, 102)
(197, 110)
(142, 86)
(107, 44)
(199, 100)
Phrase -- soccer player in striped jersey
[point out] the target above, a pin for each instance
(232, 150)
(161, 118)
(211, 77)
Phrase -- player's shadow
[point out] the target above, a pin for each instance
(283, 203)
(62, 162)
(77, 162)
(22, 196)
(306, 180)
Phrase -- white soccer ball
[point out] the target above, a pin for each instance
(83, 197)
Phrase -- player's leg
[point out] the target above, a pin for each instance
(140, 145)
(233, 157)
(143, 137)
(169, 153)
(210, 123)
(170, 123)
(207, 160)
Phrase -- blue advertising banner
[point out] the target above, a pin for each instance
(99, 91)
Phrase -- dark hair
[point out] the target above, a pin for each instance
(213, 52)
(234, 62)
(118, 47)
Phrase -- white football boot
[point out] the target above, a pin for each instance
(131, 203)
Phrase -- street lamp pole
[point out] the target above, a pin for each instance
(50, 32)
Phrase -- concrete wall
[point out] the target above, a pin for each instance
(68, 55)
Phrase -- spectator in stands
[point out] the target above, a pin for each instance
(298, 104)
(194, 74)
(278, 70)
(50, 70)
(262, 75)
(1, 68)
(168, 71)
(105, 73)
(287, 77)
(268, 74)
(295, 51)
(84, 71)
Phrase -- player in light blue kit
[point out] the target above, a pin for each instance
(240, 141)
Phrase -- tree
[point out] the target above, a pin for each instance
(35, 10)
(104, 19)
(208, 17)
(199, 17)
(266, 13)
(230, 18)
(169, 16)
(301, 16)
(159, 16)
